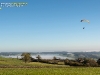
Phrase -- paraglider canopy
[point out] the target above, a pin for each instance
(84, 20)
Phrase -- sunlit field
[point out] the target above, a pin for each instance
(36, 68)
(16, 63)
(50, 71)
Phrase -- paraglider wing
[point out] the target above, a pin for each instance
(87, 21)
(81, 20)
(84, 20)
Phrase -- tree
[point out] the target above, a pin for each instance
(26, 57)
(38, 57)
(90, 62)
(98, 61)
(54, 58)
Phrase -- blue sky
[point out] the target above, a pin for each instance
(50, 25)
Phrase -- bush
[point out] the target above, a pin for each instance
(90, 62)
(98, 61)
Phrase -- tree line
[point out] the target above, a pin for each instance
(26, 57)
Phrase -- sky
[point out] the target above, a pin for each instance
(50, 25)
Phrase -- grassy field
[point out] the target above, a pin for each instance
(50, 71)
(13, 62)
(37, 68)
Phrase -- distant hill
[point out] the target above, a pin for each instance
(75, 55)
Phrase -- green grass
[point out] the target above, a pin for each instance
(51, 70)
(11, 62)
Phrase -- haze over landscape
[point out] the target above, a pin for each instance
(50, 25)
